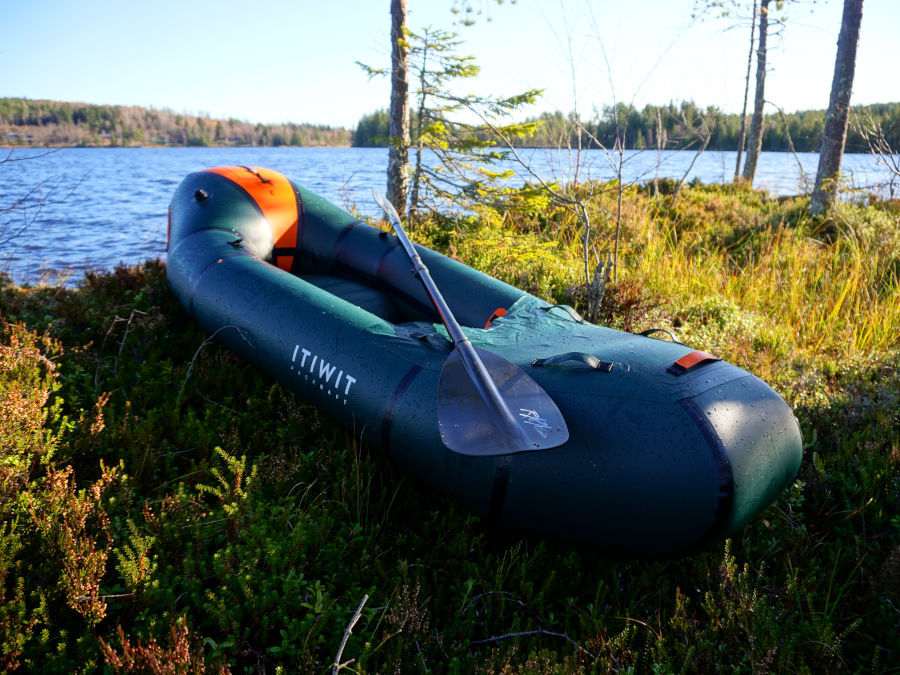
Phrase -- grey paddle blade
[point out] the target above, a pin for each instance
(486, 405)
(471, 424)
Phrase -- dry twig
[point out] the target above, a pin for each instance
(337, 659)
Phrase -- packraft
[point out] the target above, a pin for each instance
(664, 447)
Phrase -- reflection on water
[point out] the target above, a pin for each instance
(80, 208)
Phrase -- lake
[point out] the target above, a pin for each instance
(69, 210)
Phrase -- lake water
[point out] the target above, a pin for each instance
(74, 209)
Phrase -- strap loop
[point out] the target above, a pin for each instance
(587, 359)
(571, 312)
(650, 331)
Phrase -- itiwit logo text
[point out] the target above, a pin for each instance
(317, 371)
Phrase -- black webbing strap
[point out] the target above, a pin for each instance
(587, 359)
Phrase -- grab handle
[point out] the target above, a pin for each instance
(587, 359)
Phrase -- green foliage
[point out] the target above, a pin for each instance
(136, 566)
(175, 509)
(638, 128)
(372, 130)
(492, 245)
(467, 164)
(38, 122)
(801, 130)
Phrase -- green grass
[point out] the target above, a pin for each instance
(165, 508)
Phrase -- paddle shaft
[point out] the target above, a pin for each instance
(422, 274)
(481, 378)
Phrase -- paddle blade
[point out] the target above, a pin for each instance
(471, 425)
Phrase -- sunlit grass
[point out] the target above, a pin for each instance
(836, 300)
(828, 288)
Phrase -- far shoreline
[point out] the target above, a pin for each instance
(4, 146)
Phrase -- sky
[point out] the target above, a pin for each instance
(295, 60)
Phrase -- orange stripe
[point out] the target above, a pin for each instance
(500, 311)
(274, 195)
(690, 360)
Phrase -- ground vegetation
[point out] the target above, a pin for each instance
(166, 508)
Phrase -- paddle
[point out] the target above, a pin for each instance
(486, 405)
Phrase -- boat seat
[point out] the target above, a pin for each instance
(365, 297)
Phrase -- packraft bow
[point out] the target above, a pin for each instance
(668, 447)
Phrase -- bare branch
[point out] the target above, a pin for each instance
(865, 125)
(526, 633)
(787, 133)
(337, 659)
(31, 203)
(702, 135)
(878, 144)
(211, 338)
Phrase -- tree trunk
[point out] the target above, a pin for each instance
(398, 151)
(742, 136)
(838, 117)
(754, 142)
(421, 118)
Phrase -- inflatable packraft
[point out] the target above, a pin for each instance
(667, 447)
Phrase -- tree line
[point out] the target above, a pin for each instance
(674, 127)
(53, 123)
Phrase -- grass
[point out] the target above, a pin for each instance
(165, 508)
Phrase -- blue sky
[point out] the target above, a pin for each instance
(294, 60)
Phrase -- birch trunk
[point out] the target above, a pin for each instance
(742, 136)
(754, 142)
(838, 117)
